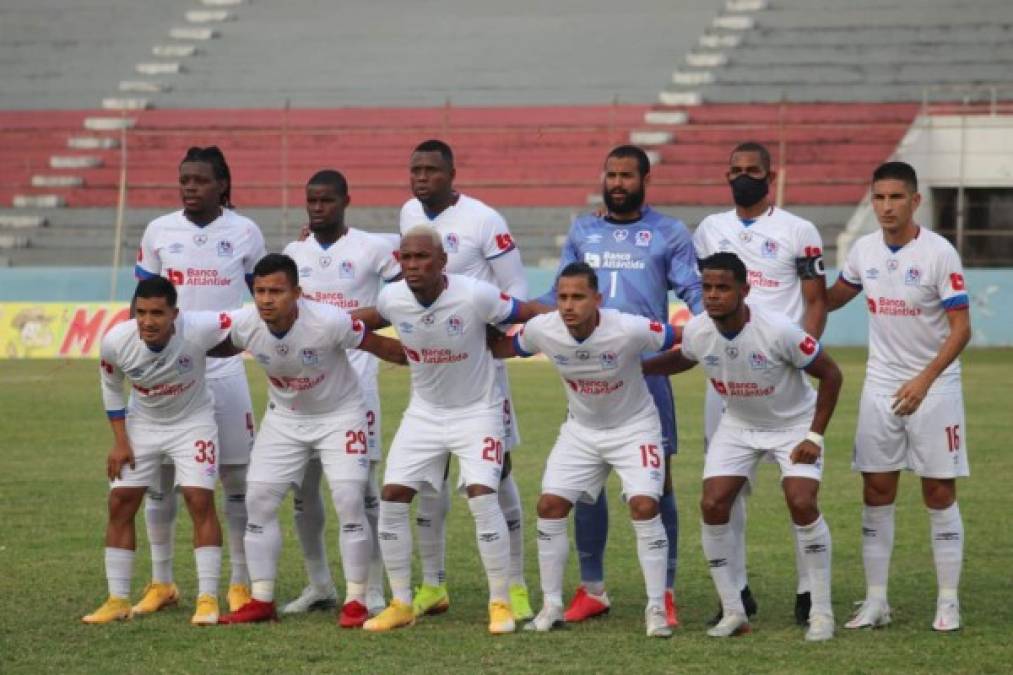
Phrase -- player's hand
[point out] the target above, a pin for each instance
(119, 456)
(304, 233)
(910, 395)
(806, 452)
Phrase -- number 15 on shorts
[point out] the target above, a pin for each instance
(649, 456)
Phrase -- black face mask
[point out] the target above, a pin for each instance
(747, 190)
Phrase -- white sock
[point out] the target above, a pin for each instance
(431, 528)
(396, 545)
(119, 571)
(233, 477)
(877, 547)
(355, 539)
(737, 524)
(802, 584)
(493, 544)
(372, 505)
(553, 550)
(309, 526)
(209, 566)
(947, 529)
(816, 552)
(718, 546)
(263, 536)
(160, 507)
(510, 503)
(652, 549)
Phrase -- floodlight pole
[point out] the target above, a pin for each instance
(121, 205)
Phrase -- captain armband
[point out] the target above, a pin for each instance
(810, 267)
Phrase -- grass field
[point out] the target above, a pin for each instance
(52, 515)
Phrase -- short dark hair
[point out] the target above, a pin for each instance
(277, 262)
(897, 171)
(581, 269)
(330, 178)
(725, 260)
(753, 146)
(628, 151)
(155, 287)
(215, 158)
(434, 145)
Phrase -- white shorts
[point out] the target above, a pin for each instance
(192, 447)
(234, 416)
(581, 459)
(285, 444)
(931, 442)
(423, 443)
(736, 452)
(511, 433)
(374, 432)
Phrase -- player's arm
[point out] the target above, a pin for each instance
(508, 270)
(112, 378)
(525, 311)
(370, 318)
(682, 270)
(825, 370)
(671, 362)
(840, 294)
(224, 349)
(913, 392)
(814, 294)
(148, 263)
(385, 348)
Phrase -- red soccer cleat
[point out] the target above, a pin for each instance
(253, 611)
(585, 606)
(671, 609)
(353, 615)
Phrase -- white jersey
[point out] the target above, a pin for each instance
(759, 371)
(307, 369)
(908, 293)
(771, 247)
(605, 386)
(347, 274)
(207, 265)
(169, 384)
(451, 365)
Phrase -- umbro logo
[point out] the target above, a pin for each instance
(352, 528)
(386, 536)
(814, 548)
(718, 562)
(868, 532)
(947, 536)
(253, 528)
(658, 545)
(488, 537)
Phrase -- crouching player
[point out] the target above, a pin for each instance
(170, 414)
(612, 424)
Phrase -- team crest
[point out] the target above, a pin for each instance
(455, 325)
(620, 235)
(184, 363)
(451, 242)
(892, 264)
(913, 275)
(583, 355)
(309, 357)
(200, 238)
(428, 320)
(746, 236)
(225, 249)
(758, 361)
(281, 348)
(609, 360)
(175, 248)
(346, 270)
(325, 261)
(769, 249)
(643, 238)
(732, 351)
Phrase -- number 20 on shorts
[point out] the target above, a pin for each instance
(492, 450)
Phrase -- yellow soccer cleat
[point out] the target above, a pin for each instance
(501, 618)
(155, 597)
(520, 603)
(239, 595)
(397, 615)
(206, 613)
(431, 600)
(113, 609)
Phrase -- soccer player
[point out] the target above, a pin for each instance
(477, 244)
(783, 255)
(755, 357)
(639, 254)
(911, 414)
(456, 408)
(207, 251)
(314, 404)
(162, 354)
(612, 423)
(344, 267)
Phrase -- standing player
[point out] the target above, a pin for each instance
(344, 267)
(162, 353)
(456, 408)
(754, 358)
(783, 255)
(911, 415)
(478, 245)
(315, 404)
(639, 255)
(207, 251)
(612, 422)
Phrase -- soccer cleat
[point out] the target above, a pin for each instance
(586, 605)
(353, 614)
(821, 628)
(656, 619)
(671, 610)
(375, 602)
(312, 598)
(113, 609)
(501, 618)
(253, 611)
(520, 602)
(239, 595)
(803, 605)
(947, 616)
(397, 615)
(748, 603)
(550, 617)
(730, 625)
(430, 600)
(206, 613)
(156, 596)
(871, 614)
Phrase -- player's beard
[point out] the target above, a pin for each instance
(631, 204)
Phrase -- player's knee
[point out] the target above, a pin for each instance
(879, 490)
(714, 508)
(124, 504)
(476, 490)
(939, 494)
(803, 507)
(348, 497)
(397, 493)
(200, 503)
(643, 507)
(553, 506)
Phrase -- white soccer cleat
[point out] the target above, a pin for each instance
(872, 614)
(730, 625)
(947, 616)
(312, 598)
(550, 617)
(821, 628)
(657, 622)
